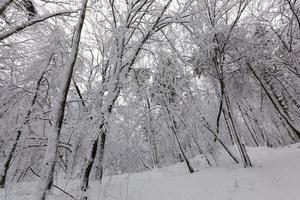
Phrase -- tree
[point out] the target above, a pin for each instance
(219, 39)
(129, 43)
(46, 178)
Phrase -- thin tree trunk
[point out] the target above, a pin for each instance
(113, 94)
(151, 135)
(72, 161)
(275, 103)
(8, 159)
(255, 126)
(46, 178)
(231, 154)
(279, 133)
(174, 130)
(228, 125)
(259, 126)
(239, 140)
(278, 95)
(247, 125)
(192, 135)
(201, 151)
(288, 129)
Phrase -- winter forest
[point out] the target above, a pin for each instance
(149, 99)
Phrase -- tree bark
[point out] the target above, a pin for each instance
(101, 146)
(88, 166)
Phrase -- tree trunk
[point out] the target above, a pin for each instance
(8, 159)
(259, 126)
(72, 161)
(113, 91)
(275, 103)
(151, 136)
(100, 152)
(46, 177)
(231, 154)
(98, 147)
(173, 127)
(239, 140)
(228, 125)
(88, 166)
(247, 125)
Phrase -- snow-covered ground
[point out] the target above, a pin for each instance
(275, 176)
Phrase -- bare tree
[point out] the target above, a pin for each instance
(117, 67)
(46, 177)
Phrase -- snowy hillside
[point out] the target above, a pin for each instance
(275, 176)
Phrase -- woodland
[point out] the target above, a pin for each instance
(95, 88)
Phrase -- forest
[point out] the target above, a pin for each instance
(94, 89)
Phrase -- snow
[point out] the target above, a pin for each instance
(275, 176)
